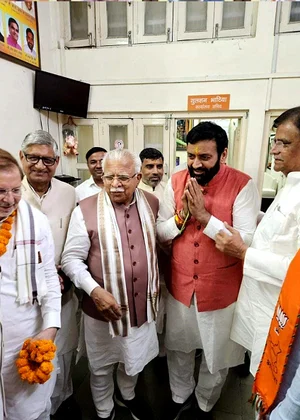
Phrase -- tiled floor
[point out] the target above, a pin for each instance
(153, 389)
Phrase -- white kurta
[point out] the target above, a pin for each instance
(19, 322)
(158, 191)
(87, 189)
(134, 351)
(188, 329)
(57, 204)
(275, 243)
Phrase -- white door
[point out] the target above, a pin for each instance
(153, 132)
(235, 127)
(116, 131)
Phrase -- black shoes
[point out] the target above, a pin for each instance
(176, 409)
(69, 409)
(111, 417)
(202, 415)
(137, 410)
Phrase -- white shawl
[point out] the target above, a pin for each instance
(31, 282)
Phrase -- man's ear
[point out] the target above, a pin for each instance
(224, 156)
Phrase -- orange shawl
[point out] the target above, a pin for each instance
(282, 332)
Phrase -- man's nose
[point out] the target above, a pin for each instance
(197, 163)
(40, 164)
(9, 197)
(115, 182)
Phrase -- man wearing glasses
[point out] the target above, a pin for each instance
(56, 199)
(30, 292)
(110, 253)
(274, 245)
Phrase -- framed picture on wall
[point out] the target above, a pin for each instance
(19, 40)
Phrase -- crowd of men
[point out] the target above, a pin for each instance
(121, 238)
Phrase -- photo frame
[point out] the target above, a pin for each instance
(19, 38)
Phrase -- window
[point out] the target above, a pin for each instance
(115, 22)
(127, 23)
(290, 17)
(81, 31)
(202, 20)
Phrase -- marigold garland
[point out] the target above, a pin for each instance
(5, 234)
(34, 362)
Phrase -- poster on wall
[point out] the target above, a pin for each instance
(19, 32)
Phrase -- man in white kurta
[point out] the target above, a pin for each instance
(110, 253)
(152, 172)
(275, 243)
(203, 285)
(56, 200)
(94, 184)
(29, 294)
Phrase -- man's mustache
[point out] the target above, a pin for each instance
(116, 190)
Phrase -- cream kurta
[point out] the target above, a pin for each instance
(158, 191)
(274, 245)
(19, 322)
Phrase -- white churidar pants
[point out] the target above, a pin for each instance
(181, 374)
(188, 330)
(67, 342)
(132, 353)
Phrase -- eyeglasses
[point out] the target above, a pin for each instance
(47, 161)
(17, 192)
(123, 179)
(280, 143)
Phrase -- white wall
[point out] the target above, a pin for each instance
(157, 78)
(18, 117)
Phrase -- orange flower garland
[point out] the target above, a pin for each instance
(5, 234)
(34, 364)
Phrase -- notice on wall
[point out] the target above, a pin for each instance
(19, 32)
(218, 102)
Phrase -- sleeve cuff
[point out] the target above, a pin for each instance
(51, 320)
(213, 227)
(88, 285)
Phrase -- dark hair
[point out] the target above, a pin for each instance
(292, 115)
(12, 20)
(7, 161)
(29, 31)
(94, 150)
(151, 153)
(207, 130)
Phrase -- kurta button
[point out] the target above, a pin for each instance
(196, 244)
(195, 277)
(199, 227)
(134, 263)
(196, 261)
(127, 215)
(136, 294)
(129, 231)
(132, 246)
(135, 279)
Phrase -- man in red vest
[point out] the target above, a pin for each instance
(204, 282)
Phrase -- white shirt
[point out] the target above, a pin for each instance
(158, 191)
(29, 51)
(86, 189)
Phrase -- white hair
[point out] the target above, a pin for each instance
(121, 155)
(42, 138)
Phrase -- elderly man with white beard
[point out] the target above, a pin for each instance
(110, 253)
